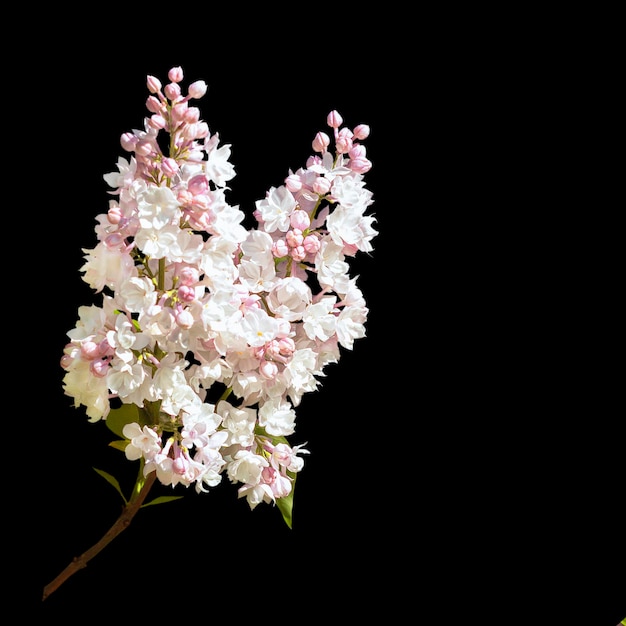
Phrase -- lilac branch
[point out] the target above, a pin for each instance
(123, 521)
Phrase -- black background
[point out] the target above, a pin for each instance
(465, 460)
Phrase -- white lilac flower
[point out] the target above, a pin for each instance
(144, 442)
(217, 166)
(106, 267)
(289, 298)
(206, 310)
(351, 325)
(246, 467)
(238, 423)
(318, 319)
(137, 294)
(275, 209)
(277, 417)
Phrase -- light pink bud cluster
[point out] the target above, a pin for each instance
(346, 142)
(214, 331)
(171, 113)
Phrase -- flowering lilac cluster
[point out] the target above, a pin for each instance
(214, 332)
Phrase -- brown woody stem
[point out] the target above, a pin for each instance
(123, 521)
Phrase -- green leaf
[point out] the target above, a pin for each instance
(126, 414)
(161, 500)
(119, 444)
(285, 505)
(113, 481)
(150, 413)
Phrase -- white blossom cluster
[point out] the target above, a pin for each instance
(212, 331)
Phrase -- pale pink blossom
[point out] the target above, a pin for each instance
(246, 467)
(277, 417)
(144, 442)
(275, 209)
(289, 298)
(293, 183)
(197, 306)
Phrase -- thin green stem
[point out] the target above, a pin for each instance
(161, 274)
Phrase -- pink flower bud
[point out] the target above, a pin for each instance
(189, 275)
(358, 162)
(198, 184)
(89, 350)
(157, 122)
(179, 110)
(268, 475)
(154, 84)
(184, 197)
(197, 89)
(105, 348)
(186, 293)
(128, 141)
(321, 142)
(175, 74)
(294, 237)
(143, 148)
(153, 104)
(293, 183)
(345, 132)
(192, 115)
(360, 165)
(343, 145)
(311, 244)
(99, 368)
(114, 214)
(299, 219)
(188, 132)
(280, 248)
(169, 167)
(334, 120)
(272, 348)
(184, 318)
(321, 185)
(202, 130)
(362, 131)
(281, 486)
(298, 253)
(357, 151)
(287, 346)
(343, 142)
(172, 91)
(268, 369)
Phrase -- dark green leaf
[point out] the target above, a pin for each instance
(161, 500)
(113, 481)
(119, 444)
(118, 418)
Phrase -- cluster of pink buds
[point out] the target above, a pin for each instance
(209, 331)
